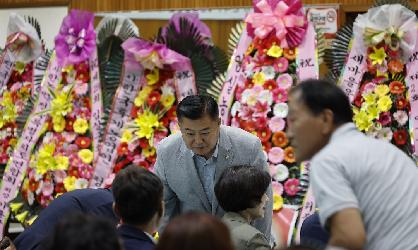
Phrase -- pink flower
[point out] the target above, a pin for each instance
(279, 95)
(69, 136)
(284, 81)
(261, 122)
(281, 65)
(369, 87)
(276, 124)
(291, 186)
(277, 188)
(81, 88)
(384, 118)
(47, 188)
(59, 176)
(276, 155)
(401, 117)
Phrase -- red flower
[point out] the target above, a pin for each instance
(291, 186)
(134, 111)
(121, 165)
(264, 135)
(153, 98)
(83, 142)
(165, 121)
(144, 164)
(59, 188)
(358, 100)
(266, 146)
(401, 103)
(270, 84)
(33, 185)
(395, 66)
(122, 149)
(143, 143)
(248, 84)
(171, 113)
(73, 171)
(396, 87)
(400, 136)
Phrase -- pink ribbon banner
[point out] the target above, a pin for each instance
(96, 97)
(307, 59)
(185, 83)
(412, 81)
(16, 167)
(121, 108)
(234, 75)
(354, 68)
(5, 68)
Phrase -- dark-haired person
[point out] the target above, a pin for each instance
(241, 192)
(82, 231)
(195, 231)
(190, 162)
(138, 196)
(89, 201)
(366, 189)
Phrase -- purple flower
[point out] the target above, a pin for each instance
(77, 39)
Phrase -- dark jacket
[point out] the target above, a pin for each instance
(134, 239)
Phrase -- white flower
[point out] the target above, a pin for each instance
(265, 96)
(167, 90)
(31, 198)
(385, 134)
(268, 72)
(281, 172)
(81, 183)
(248, 97)
(401, 117)
(235, 108)
(280, 110)
(249, 70)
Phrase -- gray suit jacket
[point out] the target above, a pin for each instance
(183, 190)
(245, 236)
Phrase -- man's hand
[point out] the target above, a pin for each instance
(347, 229)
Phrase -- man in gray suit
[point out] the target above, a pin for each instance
(190, 163)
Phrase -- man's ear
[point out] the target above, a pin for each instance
(327, 119)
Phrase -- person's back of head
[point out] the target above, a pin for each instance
(194, 107)
(80, 231)
(193, 231)
(319, 95)
(138, 195)
(241, 187)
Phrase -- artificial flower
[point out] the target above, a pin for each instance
(167, 100)
(282, 64)
(142, 96)
(122, 149)
(284, 81)
(276, 155)
(62, 162)
(370, 98)
(384, 118)
(396, 87)
(395, 66)
(384, 103)
(279, 95)
(279, 139)
(83, 142)
(69, 183)
(277, 188)
(378, 57)
(264, 135)
(148, 151)
(400, 136)
(80, 126)
(280, 110)
(381, 89)
(362, 121)
(276, 124)
(277, 202)
(401, 117)
(282, 172)
(153, 76)
(289, 155)
(153, 98)
(275, 51)
(86, 155)
(259, 78)
(146, 122)
(289, 54)
(126, 136)
(58, 124)
(401, 102)
(291, 186)
(270, 84)
(268, 71)
(385, 134)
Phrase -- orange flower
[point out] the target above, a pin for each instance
(396, 87)
(289, 155)
(395, 66)
(290, 54)
(279, 139)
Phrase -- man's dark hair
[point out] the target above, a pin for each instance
(197, 106)
(138, 195)
(241, 187)
(319, 95)
(81, 231)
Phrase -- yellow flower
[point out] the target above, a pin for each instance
(275, 51)
(277, 202)
(148, 151)
(370, 98)
(22, 216)
(69, 183)
(142, 96)
(80, 126)
(382, 90)
(259, 78)
(86, 155)
(384, 104)
(59, 123)
(46, 160)
(62, 162)
(9, 111)
(167, 101)
(16, 206)
(362, 120)
(126, 136)
(378, 56)
(372, 111)
(62, 104)
(153, 77)
(146, 122)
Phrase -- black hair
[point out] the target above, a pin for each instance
(81, 231)
(241, 187)
(138, 195)
(197, 106)
(319, 95)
